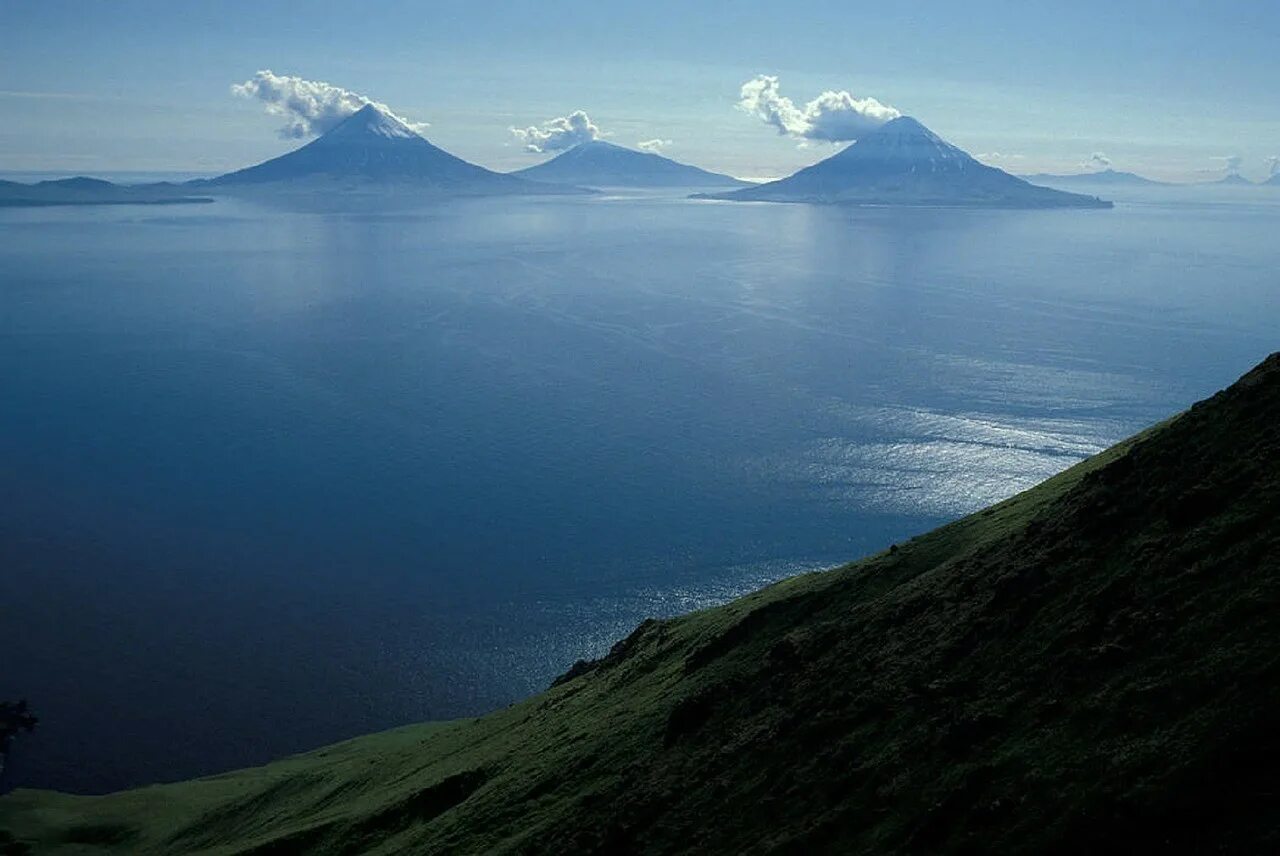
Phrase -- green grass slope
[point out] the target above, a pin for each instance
(1093, 665)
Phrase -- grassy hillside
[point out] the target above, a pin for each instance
(1091, 665)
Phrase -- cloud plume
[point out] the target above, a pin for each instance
(831, 117)
(654, 146)
(1098, 161)
(1232, 163)
(309, 107)
(998, 156)
(1273, 165)
(556, 135)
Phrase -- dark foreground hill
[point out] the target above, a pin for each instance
(1090, 666)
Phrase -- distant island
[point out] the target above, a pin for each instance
(903, 163)
(1233, 179)
(93, 191)
(598, 163)
(1111, 177)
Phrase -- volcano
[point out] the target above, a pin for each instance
(904, 163)
(372, 149)
(600, 164)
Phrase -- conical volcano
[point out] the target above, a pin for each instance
(904, 163)
(600, 164)
(372, 147)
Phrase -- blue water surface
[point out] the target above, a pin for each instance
(272, 478)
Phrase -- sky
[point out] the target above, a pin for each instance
(1173, 89)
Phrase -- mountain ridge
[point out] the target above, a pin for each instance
(1092, 665)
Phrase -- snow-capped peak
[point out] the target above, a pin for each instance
(370, 119)
(905, 138)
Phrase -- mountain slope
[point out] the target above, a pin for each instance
(904, 163)
(1090, 666)
(601, 164)
(373, 149)
(1103, 177)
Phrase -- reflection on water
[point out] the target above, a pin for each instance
(936, 465)
(352, 469)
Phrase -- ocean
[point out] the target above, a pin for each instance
(274, 478)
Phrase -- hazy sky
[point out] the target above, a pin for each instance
(1168, 88)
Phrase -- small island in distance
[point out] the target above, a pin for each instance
(1101, 177)
(82, 190)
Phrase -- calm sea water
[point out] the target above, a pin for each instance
(274, 478)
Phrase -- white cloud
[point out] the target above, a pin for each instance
(831, 117)
(999, 157)
(1273, 165)
(556, 135)
(654, 146)
(309, 107)
(1098, 161)
(1231, 163)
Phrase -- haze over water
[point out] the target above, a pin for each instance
(277, 478)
